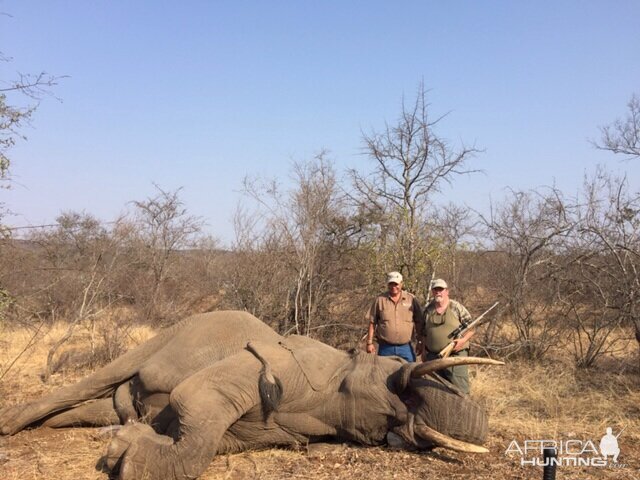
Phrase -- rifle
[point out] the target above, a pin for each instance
(461, 330)
(621, 431)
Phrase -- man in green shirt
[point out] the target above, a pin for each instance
(441, 317)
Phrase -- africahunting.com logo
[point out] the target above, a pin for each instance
(572, 452)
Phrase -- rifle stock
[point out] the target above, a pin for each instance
(446, 351)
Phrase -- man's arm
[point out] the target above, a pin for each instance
(371, 348)
(372, 316)
(463, 316)
(463, 313)
(460, 343)
(418, 321)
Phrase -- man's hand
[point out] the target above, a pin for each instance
(419, 348)
(371, 348)
(460, 343)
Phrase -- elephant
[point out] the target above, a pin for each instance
(224, 382)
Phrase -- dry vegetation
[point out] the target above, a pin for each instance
(310, 258)
(554, 401)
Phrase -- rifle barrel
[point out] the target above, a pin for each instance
(468, 326)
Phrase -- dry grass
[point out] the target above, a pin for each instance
(558, 401)
(525, 402)
(21, 378)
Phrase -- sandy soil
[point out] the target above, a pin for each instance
(72, 454)
(525, 401)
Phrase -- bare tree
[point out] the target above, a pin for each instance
(453, 229)
(19, 99)
(530, 227)
(411, 164)
(303, 231)
(164, 228)
(78, 260)
(623, 135)
(602, 287)
(15, 113)
(259, 274)
(592, 323)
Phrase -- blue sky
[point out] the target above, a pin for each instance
(198, 94)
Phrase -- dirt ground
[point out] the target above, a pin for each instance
(74, 453)
(524, 401)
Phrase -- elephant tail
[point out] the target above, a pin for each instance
(269, 386)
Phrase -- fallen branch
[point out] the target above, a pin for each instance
(27, 346)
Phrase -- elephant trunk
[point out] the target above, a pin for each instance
(454, 415)
(138, 452)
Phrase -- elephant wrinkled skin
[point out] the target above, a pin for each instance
(224, 382)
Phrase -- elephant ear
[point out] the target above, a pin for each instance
(319, 363)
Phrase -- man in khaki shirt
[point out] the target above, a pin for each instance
(441, 317)
(393, 317)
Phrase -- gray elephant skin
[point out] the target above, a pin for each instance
(224, 382)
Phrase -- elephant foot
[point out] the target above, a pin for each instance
(13, 419)
(132, 450)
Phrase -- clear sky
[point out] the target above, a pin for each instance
(198, 94)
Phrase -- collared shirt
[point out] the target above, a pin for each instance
(395, 321)
(438, 326)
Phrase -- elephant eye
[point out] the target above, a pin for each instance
(410, 401)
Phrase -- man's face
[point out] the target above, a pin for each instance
(394, 288)
(440, 295)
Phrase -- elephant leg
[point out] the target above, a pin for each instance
(207, 404)
(123, 402)
(158, 412)
(99, 413)
(100, 384)
(14, 419)
(133, 403)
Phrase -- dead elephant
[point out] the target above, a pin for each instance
(225, 382)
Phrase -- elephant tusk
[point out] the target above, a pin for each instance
(445, 441)
(434, 365)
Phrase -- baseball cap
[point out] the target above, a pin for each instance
(394, 277)
(438, 283)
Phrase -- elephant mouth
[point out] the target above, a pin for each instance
(423, 437)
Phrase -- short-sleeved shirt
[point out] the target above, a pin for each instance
(437, 327)
(395, 321)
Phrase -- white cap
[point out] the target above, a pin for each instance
(438, 283)
(394, 277)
